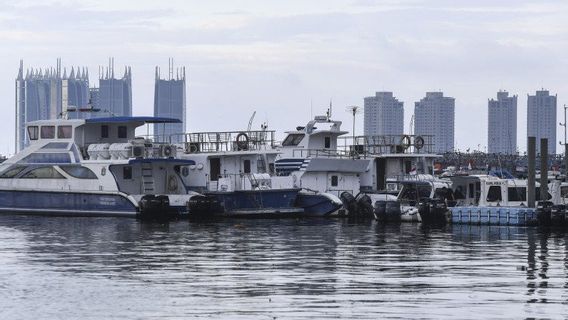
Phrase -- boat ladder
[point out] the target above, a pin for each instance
(256, 198)
(253, 181)
(147, 178)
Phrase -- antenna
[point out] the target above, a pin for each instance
(329, 110)
(354, 110)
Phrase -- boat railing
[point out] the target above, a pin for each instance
(206, 142)
(238, 181)
(411, 177)
(320, 153)
(387, 144)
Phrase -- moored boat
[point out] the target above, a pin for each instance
(94, 167)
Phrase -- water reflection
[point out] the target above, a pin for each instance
(278, 268)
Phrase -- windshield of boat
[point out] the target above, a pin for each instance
(414, 192)
(293, 139)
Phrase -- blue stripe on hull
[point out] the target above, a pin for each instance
(66, 203)
(316, 205)
(260, 200)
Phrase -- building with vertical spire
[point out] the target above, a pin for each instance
(434, 115)
(47, 93)
(115, 94)
(170, 102)
(383, 115)
(541, 119)
(502, 124)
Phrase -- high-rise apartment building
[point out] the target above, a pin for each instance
(541, 119)
(47, 94)
(502, 124)
(115, 95)
(435, 115)
(384, 115)
(169, 101)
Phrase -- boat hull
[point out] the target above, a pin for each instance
(66, 203)
(318, 205)
(271, 202)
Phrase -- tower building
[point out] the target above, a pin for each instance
(502, 124)
(170, 102)
(383, 115)
(435, 115)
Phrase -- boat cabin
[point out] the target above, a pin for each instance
(487, 190)
(95, 154)
(410, 189)
(230, 160)
(317, 139)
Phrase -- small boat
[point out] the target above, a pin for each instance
(489, 199)
(94, 167)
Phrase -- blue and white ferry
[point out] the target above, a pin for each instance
(94, 167)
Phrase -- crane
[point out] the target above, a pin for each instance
(250, 121)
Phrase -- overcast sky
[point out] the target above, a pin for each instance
(281, 57)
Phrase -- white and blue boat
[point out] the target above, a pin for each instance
(94, 167)
(310, 160)
(233, 170)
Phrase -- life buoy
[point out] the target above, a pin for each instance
(242, 141)
(418, 142)
(172, 183)
(168, 151)
(405, 142)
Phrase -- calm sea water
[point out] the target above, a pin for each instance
(102, 268)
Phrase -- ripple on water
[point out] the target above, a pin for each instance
(301, 269)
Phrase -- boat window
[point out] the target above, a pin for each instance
(334, 181)
(246, 166)
(517, 194)
(494, 194)
(444, 193)
(564, 191)
(293, 139)
(424, 191)
(327, 142)
(79, 172)
(33, 132)
(43, 173)
(56, 145)
(12, 172)
(415, 192)
(477, 191)
(122, 132)
(47, 158)
(459, 193)
(127, 173)
(104, 131)
(471, 189)
(47, 132)
(64, 132)
(271, 168)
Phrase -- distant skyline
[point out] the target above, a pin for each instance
(282, 57)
